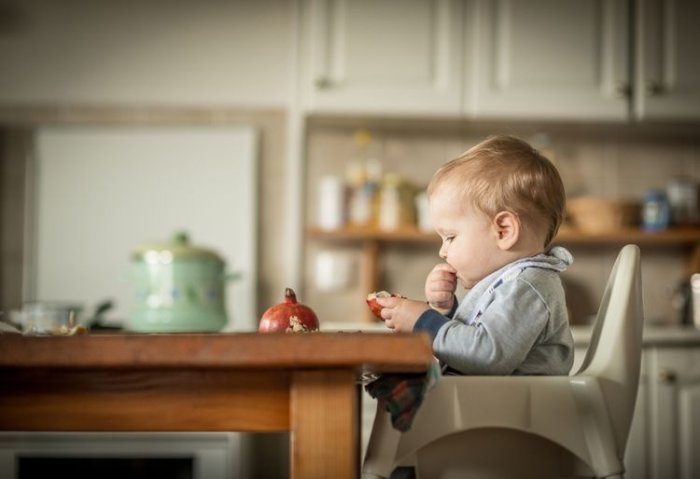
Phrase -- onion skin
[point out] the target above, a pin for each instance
(288, 316)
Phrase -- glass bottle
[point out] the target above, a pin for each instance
(656, 214)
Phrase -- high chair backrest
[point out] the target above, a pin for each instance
(614, 353)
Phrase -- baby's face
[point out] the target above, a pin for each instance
(469, 239)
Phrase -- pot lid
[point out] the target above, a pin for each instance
(177, 248)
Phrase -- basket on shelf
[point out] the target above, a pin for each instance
(597, 215)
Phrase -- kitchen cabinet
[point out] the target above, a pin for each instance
(483, 59)
(469, 58)
(667, 72)
(674, 407)
(548, 59)
(665, 434)
(382, 56)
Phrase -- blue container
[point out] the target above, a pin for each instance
(656, 215)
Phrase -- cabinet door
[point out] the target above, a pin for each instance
(383, 56)
(558, 59)
(667, 75)
(675, 413)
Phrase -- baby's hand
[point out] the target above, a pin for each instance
(440, 286)
(401, 314)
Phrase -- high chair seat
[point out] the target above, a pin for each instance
(531, 426)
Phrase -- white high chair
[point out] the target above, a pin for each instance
(531, 426)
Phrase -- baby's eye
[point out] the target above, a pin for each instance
(448, 239)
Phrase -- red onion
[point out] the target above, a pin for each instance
(375, 307)
(288, 317)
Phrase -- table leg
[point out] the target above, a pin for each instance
(324, 416)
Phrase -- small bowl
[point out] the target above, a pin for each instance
(48, 318)
(600, 215)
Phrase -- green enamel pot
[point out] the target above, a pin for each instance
(177, 287)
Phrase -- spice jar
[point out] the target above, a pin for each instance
(656, 214)
(390, 203)
(331, 204)
(682, 193)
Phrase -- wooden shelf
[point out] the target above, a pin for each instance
(372, 239)
(676, 236)
(364, 234)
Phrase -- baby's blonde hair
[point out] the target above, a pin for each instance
(504, 173)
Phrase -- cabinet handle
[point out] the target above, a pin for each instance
(323, 83)
(654, 88)
(667, 376)
(623, 90)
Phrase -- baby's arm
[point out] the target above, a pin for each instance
(440, 287)
(502, 337)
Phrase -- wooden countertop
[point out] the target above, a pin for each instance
(377, 352)
(653, 335)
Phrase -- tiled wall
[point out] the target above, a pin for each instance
(615, 163)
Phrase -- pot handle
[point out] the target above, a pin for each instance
(232, 276)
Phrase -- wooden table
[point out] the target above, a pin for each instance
(303, 383)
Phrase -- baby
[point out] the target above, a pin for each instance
(497, 208)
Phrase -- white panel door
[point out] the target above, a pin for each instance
(383, 56)
(668, 62)
(552, 59)
(675, 413)
(689, 421)
(102, 191)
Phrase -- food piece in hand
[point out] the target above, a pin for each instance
(375, 307)
(288, 317)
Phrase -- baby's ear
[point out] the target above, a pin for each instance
(506, 225)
